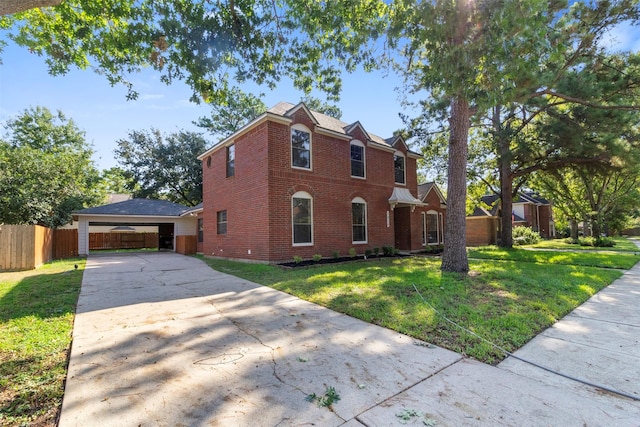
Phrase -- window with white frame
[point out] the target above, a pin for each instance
(399, 168)
(300, 147)
(359, 220)
(433, 228)
(231, 160)
(357, 159)
(302, 218)
(221, 222)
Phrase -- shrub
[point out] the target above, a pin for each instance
(336, 254)
(368, 252)
(600, 242)
(352, 252)
(317, 257)
(376, 251)
(387, 250)
(297, 259)
(524, 236)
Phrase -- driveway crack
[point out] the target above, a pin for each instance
(272, 350)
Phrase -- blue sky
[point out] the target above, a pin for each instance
(106, 116)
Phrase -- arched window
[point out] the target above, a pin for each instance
(359, 220)
(300, 147)
(358, 166)
(399, 168)
(302, 218)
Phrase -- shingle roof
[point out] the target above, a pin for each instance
(423, 189)
(330, 123)
(133, 207)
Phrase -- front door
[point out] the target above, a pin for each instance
(402, 228)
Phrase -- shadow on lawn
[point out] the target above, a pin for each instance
(42, 295)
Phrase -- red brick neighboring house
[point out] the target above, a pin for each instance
(529, 210)
(295, 182)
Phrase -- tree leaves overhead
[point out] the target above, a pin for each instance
(212, 46)
(46, 170)
(163, 167)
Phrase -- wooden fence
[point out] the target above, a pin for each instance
(104, 241)
(24, 247)
(65, 243)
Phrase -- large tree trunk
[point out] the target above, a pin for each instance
(574, 230)
(506, 183)
(454, 257)
(9, 7)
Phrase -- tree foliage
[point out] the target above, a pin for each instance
(163, 167)
(46, 171)
(226, 118)
(212, 46)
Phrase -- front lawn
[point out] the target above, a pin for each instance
(622, 244)
(602, 258)
(505, 301)
(37, 309)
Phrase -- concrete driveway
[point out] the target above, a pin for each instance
(161, 339)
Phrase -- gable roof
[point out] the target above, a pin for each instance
(426, 187)
(285, 110)
(138, 207)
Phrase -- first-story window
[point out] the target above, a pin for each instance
(200, 230)
(222, 222)
(359, 220)
(432, 228)
(302, 218)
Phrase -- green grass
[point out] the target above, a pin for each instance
(603, 258)
(505, 301)
(622, 244)
(37, 309)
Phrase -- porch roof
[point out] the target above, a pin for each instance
(403, 197)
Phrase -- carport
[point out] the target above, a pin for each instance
(176, 224)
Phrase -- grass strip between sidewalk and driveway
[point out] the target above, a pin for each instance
(505, 301)
(37, 309)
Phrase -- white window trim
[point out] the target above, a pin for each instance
(424, 229)
(366, 221)
(302, 128)
(404, 169)
(301, 195)
(437, 242)
(364, 158)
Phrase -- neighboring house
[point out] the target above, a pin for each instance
(295, 182)
(529, 210)
(176, 224)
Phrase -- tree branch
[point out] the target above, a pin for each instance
(10, 7)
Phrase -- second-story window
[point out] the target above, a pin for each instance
(231, 160)
(357, 159)
(300, 148)
(398, 166)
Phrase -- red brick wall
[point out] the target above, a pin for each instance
(243, 196)
(545, 217)
(481, 231)
(258, 197)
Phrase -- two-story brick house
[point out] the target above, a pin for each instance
(294, 182)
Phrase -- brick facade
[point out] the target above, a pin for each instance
(258, 198)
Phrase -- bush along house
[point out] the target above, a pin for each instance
(298, 183)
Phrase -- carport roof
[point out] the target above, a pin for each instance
(140, 207)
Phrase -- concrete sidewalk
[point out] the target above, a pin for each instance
(160, 339)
